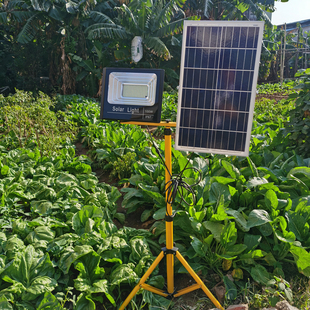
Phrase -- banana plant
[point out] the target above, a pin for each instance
(152, 20)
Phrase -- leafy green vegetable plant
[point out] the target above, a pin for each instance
(27, 120)
(251, 217)
(298, 126)
(122, 166)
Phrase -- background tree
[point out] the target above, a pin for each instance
(157, 22)
(64, 44)
(57, 29)
(229, 9)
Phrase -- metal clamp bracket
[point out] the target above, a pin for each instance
(170, 251)
(169, 218)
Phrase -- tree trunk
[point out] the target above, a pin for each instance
(297, 55)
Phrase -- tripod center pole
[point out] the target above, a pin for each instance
(169, 224)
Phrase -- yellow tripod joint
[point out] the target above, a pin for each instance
(173, 251)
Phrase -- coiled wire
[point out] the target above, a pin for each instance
(176, 184)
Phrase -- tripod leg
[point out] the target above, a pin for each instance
(198, 280)
(142, 280)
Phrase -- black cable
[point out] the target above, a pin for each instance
(176, 184)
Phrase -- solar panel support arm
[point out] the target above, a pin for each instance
(169, 251)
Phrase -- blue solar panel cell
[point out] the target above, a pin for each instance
(218, 77)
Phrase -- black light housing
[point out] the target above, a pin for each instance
(132, 94)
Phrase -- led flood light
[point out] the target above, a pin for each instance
(219, 69)
(132, 94)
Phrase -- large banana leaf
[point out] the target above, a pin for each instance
(156, 45)
(29, 30)
(106, 30)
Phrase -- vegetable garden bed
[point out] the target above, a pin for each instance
(65, 241)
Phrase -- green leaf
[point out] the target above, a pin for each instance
(231, 169)
(57, 245)
(215, 228)
(271, 200)
(135, 179)
(256, 181)
(84, 302)
(41, 233)
(31, 273)
(229, 235)
(89, 183)
(253, 167)
(297, 221)
(159, 214)
(285, 236)
(257, 218)
(270, 172)
(70, 255)
(217, 190)
(156, 302)
(21, 228)
(235, 249)
(156, 45)
(123, 274)
(157, 281)
(113, 256)
(139, 248)
(91, 276)
(197, 267)
(131, 192)
(260, 274)
(182, 221)
(198, 247)
(114, 195)
(220, 214)
(252, 241)
(84, 219)
(223, 180)
(5, 170)
(42, 207)
(239, 218)
(132, 205)
(12, 246)
(199, 216)
(153, 192)
(146, 214)
(49, 302)
(88, 266)
(231, 290)
(4, 304)
(302, 259)
(120, 217)
(38, 286)
(269, 258)
(266, 229)
(198, 162)
(299, 170)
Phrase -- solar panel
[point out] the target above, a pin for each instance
(219, 69)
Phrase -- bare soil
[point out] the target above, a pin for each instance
(276, 97)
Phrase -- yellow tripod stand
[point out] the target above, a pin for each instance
(169, 251)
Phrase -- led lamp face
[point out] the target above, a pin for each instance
(132, 88)
(138, 91)
(132, 94)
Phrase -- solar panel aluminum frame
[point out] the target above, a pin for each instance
(189, 23)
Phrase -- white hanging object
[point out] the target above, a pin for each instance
(136, 49)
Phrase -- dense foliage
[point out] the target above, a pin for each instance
(299, 125)
(28, 120)
(62, 46)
